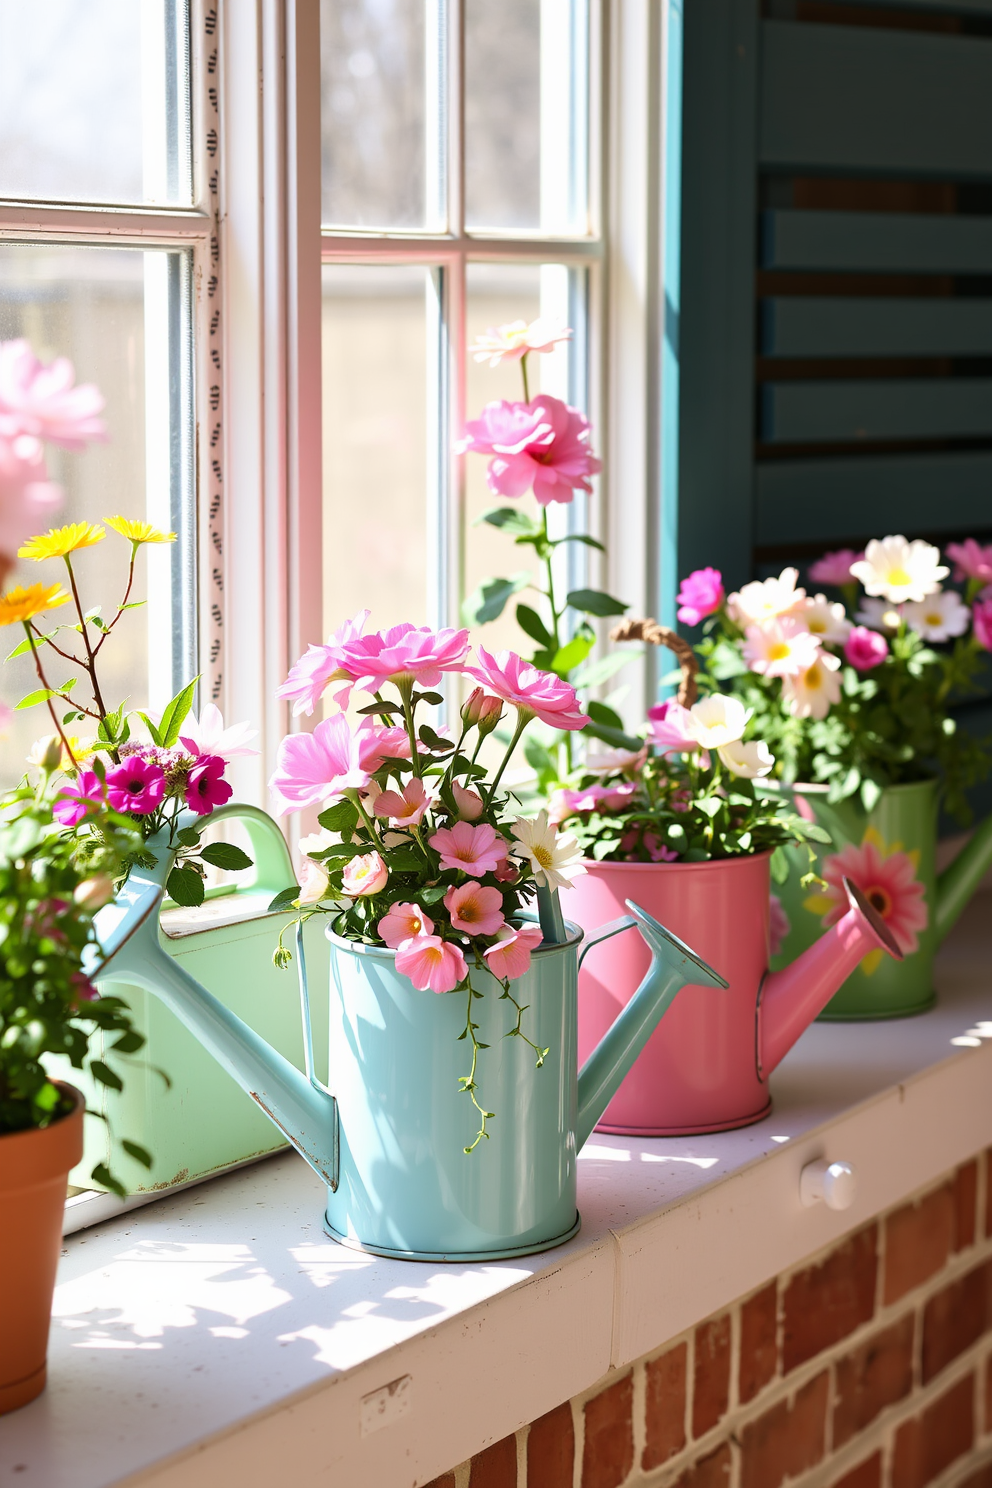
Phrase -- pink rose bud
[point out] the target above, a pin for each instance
(364, 875)
(482, 711)
(469, 803)
(93, 893)
(865, 648)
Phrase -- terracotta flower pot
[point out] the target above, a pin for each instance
(34, 1167)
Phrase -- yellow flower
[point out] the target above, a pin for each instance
(139, 532)
(24, 604)
(62, 540)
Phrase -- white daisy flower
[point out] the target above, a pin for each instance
(554, 860)
(762, 601)
(878, 614)
(938, 617)
(718, 720)
(896, 569)
(750, 761)
(826, 620)
(811, 694)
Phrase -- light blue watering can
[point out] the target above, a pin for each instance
(388, 1133)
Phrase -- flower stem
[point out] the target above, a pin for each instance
(405, 690)
(467, 1082)
(523, 373)
(44, 682)
(90, 663)
(523, 719)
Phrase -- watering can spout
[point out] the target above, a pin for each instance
(790, 999)
(961, 878)
(673, 966)
(129, 952)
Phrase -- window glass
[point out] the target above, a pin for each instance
(379, 110)
(526, 85)
(94, 101)
(121, 316)
(379, 360)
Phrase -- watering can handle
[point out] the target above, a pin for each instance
(613, 927)
(273, 864)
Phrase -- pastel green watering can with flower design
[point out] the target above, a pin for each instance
(890, 854)
(388, 1132)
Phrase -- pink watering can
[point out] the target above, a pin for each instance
(706, 1067)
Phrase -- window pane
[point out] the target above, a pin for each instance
(526, 115)
(121, 316)
(380, 148)
(378, 363)
(497, 294)
(94, 101)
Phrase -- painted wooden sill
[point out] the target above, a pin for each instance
(218, 1336)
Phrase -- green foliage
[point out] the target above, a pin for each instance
(489, 601)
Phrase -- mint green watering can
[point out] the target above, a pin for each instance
(890, 854)
(387, 1133)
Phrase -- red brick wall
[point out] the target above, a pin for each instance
(868, 1366)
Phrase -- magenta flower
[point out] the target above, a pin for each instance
(972, 560)
(77, 798)
(310, 677)
(475, 909)
(865, 648)
(981, 619)
(432, 964)
(835, 568)
(405, 654)
(41, 401)
(509, 958)
(475, 850)
(136, 785)
(542, 444)
(670, 728)
(701, 594)
(321, 766)
(207, 787)
(541, 694)
(403, 922)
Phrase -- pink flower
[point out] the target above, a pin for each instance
(542, 694)
(475, 850)
(701, 595)
(602, 798)
(207, 787)
(981, 619)
(209, 736)
(28, 498)
(509, 958)
(888, 883)
(364, 875)
(136, 785)
(542, 444)
(482, 709)
(404, 808)
(475, 909)
(865, 649)
(310, 677)
(658, 851)
(506, 871)
(508, 343)
(781, 647)
(41, 401)
(432, 964)
(77, 798)
(403, 922)
(670, 728)
(469, 802)
(405, 653)
(321, 766)
(835, 568)
(972, 560)
(377, 743)
(779, 924)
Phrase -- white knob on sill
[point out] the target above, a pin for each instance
(836, 1184)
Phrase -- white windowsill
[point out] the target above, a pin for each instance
(219, 1336)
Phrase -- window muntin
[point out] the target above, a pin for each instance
(95, 102)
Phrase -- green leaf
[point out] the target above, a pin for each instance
(616, 738)
(531, 624)
(434, 741)
(284, 898)
(188, 836)
(780, 865)
(870, 793)
(172, 718)
(104, 1075)
(225, 855)
(538, 757)
(709, 806)
(139, 1153)
(432, 894)
(128, 1043)
(44, 693)
(112, 728)
(594, 602)
(489, 600)
(605, 667)
(509, 519)
(386, 709)
(572, 654)
(152, 728)
(185, 887)
(341, 817)
(582, 537)
(434, 698)
(600, 713)
(102, 1174)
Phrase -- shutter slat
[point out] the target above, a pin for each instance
(876, 242)
(828, 327)
(910, 408)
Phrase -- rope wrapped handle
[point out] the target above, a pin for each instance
(659, 635)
